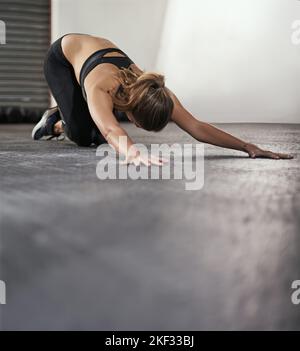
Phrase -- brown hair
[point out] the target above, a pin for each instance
(146, 97)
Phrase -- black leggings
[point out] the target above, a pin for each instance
(77, 121)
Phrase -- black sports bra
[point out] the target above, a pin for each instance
(97, 58)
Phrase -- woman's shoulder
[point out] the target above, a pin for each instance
(107, 79)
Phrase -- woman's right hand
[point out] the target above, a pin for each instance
(147, 160)
(256, 152)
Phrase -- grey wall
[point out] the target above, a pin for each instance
(228, 61)
(233, 60)
(134, 25)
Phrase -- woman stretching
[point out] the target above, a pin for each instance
(95, 84)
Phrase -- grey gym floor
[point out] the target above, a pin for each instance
(83, 254)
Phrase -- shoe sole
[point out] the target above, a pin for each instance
(46, 114)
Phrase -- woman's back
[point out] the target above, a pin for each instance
(77, 48)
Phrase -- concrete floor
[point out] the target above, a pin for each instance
(80, 253)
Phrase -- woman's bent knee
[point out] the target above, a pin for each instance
(83, 143)
(77, 137)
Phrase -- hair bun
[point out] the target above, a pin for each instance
(159, 82)
(152, 79)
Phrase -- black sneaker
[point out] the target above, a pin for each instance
(45, 127)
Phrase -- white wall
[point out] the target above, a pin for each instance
(233, 60)
(227, 60)
(133, 25)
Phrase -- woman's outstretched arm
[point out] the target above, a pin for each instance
(206, 133)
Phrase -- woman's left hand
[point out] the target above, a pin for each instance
(255, 152)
